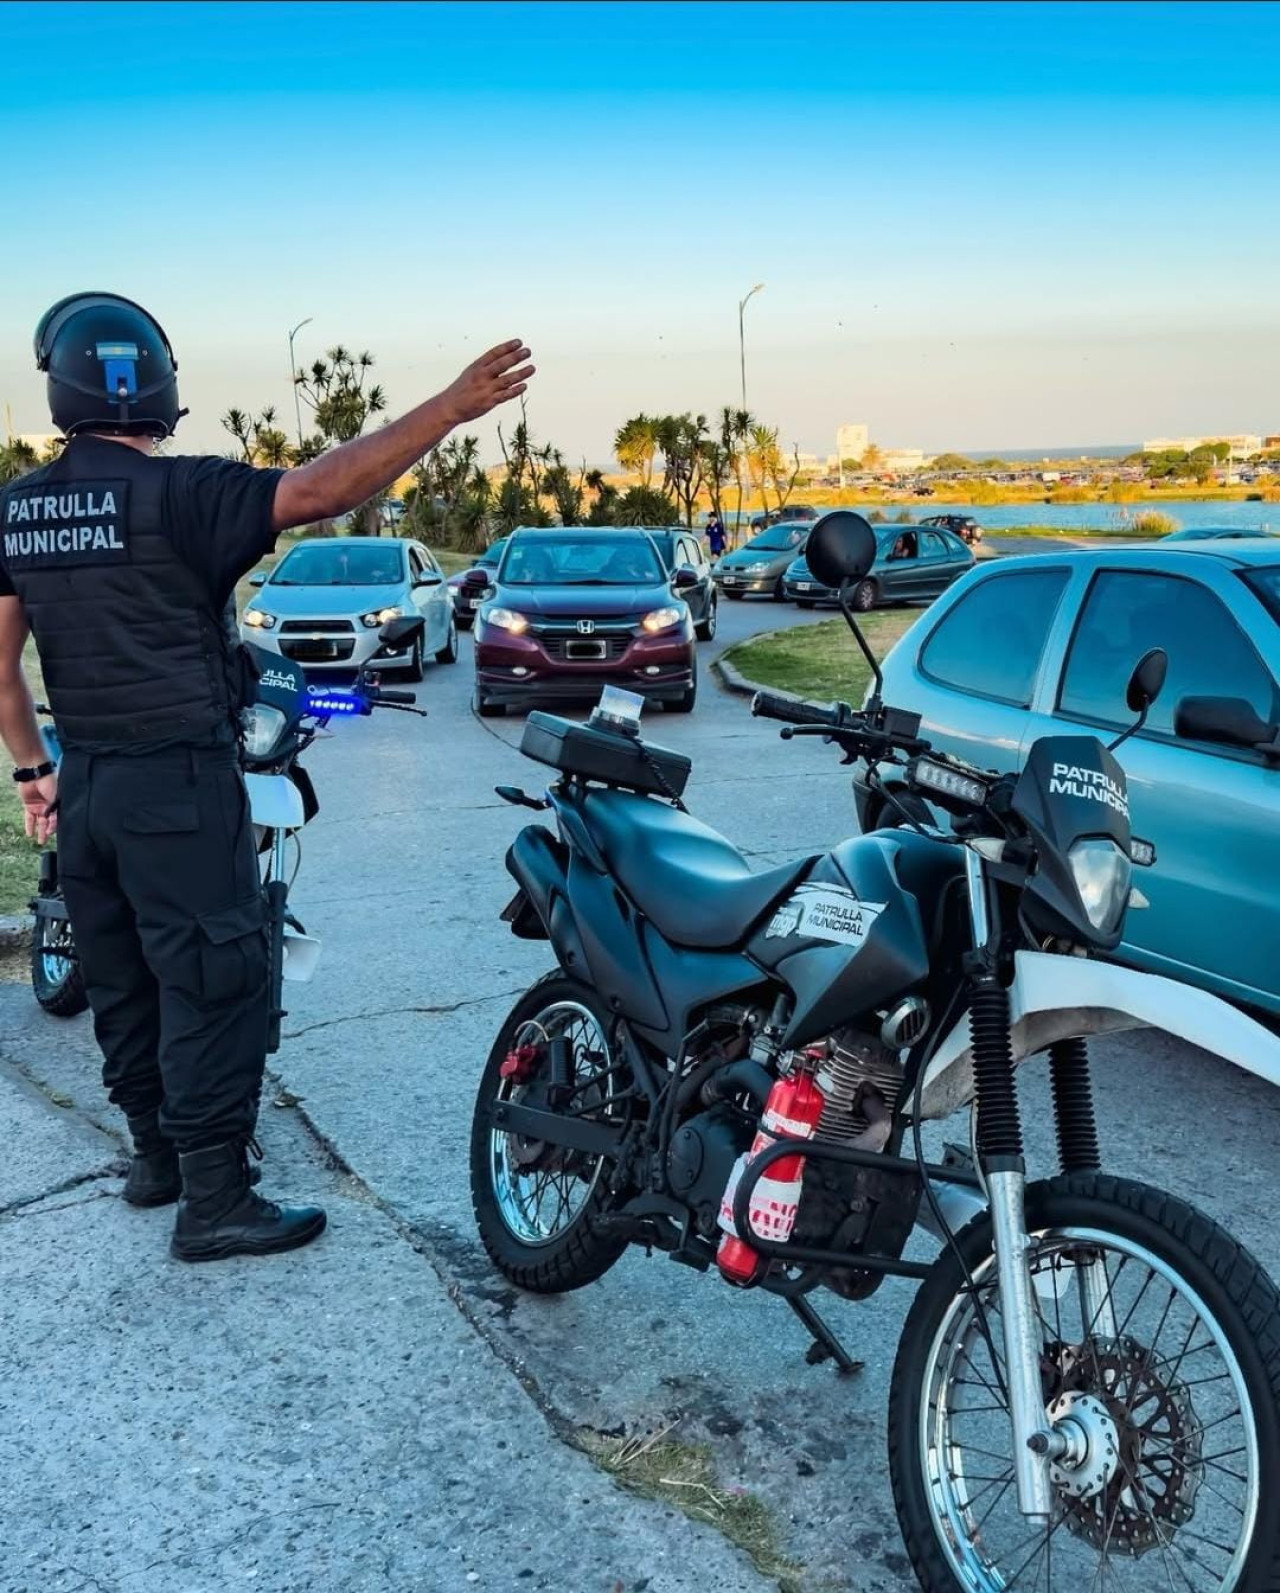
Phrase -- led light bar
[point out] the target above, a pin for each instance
(949, 782)
(324, 701)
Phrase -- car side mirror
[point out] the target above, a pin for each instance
(258, 578)
(1147, 681)
(402, 632)
(476, 580)
(427, 578)
(684, 578)
(1230, 721)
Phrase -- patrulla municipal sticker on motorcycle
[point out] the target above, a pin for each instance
(825, 912)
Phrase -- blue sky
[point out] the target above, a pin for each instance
(978, 225)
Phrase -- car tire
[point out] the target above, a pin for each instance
(805, 602)
(780, 591)
(684, 704)
(464, 622)
(706, 629)
(413, 671)
(485, 708)
(448, 654)
(864, 598)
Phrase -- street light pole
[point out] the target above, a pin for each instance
(742, 341)
(293, 375)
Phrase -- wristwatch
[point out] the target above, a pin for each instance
(41, 770)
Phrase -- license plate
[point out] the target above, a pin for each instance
(475, 602)
(733, 580)
(804, 586)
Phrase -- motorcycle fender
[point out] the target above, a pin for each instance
(275, 803)
(1056, 998)
(52, 907)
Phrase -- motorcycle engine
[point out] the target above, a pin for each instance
(857, 1208)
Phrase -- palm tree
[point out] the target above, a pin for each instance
(873, 457)
(16, 458)
(636, 444)
(735, 427)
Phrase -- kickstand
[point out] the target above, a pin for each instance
(826, 1346)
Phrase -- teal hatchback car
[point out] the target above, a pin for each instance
(1039, 645)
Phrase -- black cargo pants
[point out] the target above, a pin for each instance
(160, 875)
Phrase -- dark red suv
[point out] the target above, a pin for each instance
(573, 610)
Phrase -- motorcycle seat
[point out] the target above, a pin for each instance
(694, 886)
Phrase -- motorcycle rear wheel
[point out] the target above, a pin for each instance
(56, 979)
(1172, 1369)
(537, 1208)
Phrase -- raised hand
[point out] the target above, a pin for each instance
(495, 378)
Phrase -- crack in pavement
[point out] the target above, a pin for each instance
(18, 1207)
(392, 1012)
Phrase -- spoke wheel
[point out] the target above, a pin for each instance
(537, 1205)
(55, 969)
(1157, 1360)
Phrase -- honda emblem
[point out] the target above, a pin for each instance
(586, 627)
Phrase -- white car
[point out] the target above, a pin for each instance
(325, 602)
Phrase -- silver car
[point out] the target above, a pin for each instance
(325, 602)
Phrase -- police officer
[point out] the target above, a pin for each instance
(121, 564)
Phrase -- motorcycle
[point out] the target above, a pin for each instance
(276, 730)
(735, 1069)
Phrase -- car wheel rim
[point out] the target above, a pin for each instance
(541, 1194)
(1182, 1481)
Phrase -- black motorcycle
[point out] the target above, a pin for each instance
(734, 1068)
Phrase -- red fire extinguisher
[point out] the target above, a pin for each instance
(792, 1111)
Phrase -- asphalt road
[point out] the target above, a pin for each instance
(402, 876)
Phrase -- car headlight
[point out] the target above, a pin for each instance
(380, 616)
(1103, 874)
(506, 619)
(756, 569)
(262, 726)
(661, 619)
(259, 619)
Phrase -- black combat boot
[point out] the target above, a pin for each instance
(154, 1179)
(220, 1214)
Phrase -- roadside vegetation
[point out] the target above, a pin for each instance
(821, 661)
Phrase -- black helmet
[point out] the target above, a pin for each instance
(110, 366)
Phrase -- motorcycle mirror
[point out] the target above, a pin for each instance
(1147, 680)
(841, 548)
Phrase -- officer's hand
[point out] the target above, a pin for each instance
(495, 378)
(38, 797)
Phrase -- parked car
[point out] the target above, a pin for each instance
(680, 549)
(760, 566)
(467, 598)
(325, 602)
(963, 526)
(574, 610)
(793, 514)
(912, 565)
(1035, 646)
(1215, 533)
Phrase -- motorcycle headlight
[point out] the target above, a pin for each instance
(1102, 873)
(506, 619)
(259, 619)
(661, 619)
(380, 616)
(262, 726)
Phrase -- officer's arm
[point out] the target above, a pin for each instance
(18, 727)
(340, 480)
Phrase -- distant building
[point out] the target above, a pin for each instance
(901, 461)
(852, 441)
(1271, 442)
(809, 464)
(1242, 444)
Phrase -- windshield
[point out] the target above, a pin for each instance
(543, 560)
(491, 558)
(779, 539)
(341, 565)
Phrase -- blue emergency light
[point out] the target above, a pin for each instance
(325, 700)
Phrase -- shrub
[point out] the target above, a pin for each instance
(1153, 523)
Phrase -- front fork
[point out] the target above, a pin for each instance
(276, 892)
(1000, 1156)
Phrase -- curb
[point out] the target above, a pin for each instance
(15, 932)
(732, 678)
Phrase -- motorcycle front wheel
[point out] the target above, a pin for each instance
(537, 1206)
(56, 979)
(1161, 1351)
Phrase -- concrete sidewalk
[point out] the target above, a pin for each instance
(326, 1420)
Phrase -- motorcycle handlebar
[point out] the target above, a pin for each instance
(797, 711)
(378, 695)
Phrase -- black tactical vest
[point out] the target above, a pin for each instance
(132, 644)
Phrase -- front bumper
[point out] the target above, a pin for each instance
(516, 669)
(325, 651)
(732, 581)
(809, 592)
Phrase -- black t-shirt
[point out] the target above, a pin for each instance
(217, 513)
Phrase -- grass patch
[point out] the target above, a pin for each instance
(821, 661)
(1136, 528)
(683, 1476)
(19, 861)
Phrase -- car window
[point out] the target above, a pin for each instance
(990, 642)
(415, 564)
(1127, 612)
(932, 546)
(904, 546)
(691, 554)
(545, 559)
